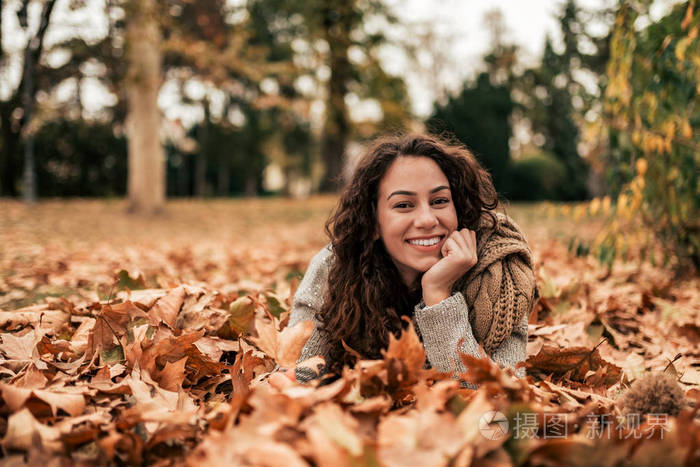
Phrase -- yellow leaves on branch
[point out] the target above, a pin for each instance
(641, 165)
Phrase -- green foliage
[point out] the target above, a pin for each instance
(125, 281)
(478, 117)
(548, 94)
(652, 109)
(536, 177)
(236, 157)
(78, 158)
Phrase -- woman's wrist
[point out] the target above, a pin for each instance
(434, 296)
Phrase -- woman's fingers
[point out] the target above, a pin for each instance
(460, 238)
(450, 246)
(466, 241)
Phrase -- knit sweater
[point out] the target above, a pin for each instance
(444, 325)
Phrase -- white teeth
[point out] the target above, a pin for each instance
(426, 242)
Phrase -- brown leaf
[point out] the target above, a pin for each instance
(436, 396)
(480, 370)
(82, 336)
(37, 316)
(577, 360)
(333, 435)
(19, 347)
(418, 438)
(32, 378)
(409, 350)
(24, 431)
(17, 397)
(128, 444)
(473, 422)
(172, 375)
(291, 341)
(167, 308)
(241, 316)
(214, 347)
(284, 347)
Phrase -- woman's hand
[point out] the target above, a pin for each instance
(458, 257)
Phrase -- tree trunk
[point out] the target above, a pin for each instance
(200, 168)
(8, 152)
(251, 186)
(223, 179)
(29, 179)
(146, 176)
(11, 127)
(337, 125)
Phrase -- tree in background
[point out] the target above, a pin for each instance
(555, 100)
(146, 174)
(652, 108)
(479, 118)
(342, 26)
(16, 109)
(242, 58)
(79, 158)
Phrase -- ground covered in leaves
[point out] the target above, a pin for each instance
(132, 340)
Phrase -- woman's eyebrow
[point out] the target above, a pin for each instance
(413, 193)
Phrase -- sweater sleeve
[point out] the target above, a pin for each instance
(445, 324)
(307, 301)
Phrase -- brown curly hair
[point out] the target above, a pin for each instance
(366, 296)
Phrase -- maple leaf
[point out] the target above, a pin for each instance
(155, 404)
(404, 358)
(575, 361)
(37, 316)
(166, 309)
(72, 402)
(19, 348)
(32, 378)
(23, 431)
(333, 435)
(418, 437)
(283, 347)
(214, 347)
(172, 375)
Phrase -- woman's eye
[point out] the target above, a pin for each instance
(402, 205)
(441, 201)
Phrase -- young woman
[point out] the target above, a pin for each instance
(416, 234)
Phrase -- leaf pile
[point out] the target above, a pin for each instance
(184, 372)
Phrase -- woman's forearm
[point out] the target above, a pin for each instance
(444, 325)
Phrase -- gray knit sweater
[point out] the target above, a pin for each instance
(441, 326)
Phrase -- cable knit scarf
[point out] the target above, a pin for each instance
(501, 287)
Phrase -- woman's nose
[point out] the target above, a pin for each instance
(426, 218)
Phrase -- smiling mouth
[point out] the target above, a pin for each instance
(426, 242)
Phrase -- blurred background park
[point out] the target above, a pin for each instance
(590, 102)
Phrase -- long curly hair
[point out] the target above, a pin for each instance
(366, 297)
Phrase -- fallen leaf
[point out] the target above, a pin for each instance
(23, 431)
(167, 308)
(19, 347)
(16, 398)
(284, 347)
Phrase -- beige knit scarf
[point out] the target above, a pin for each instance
(501, 287)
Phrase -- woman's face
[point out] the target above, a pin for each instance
(415, 214)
